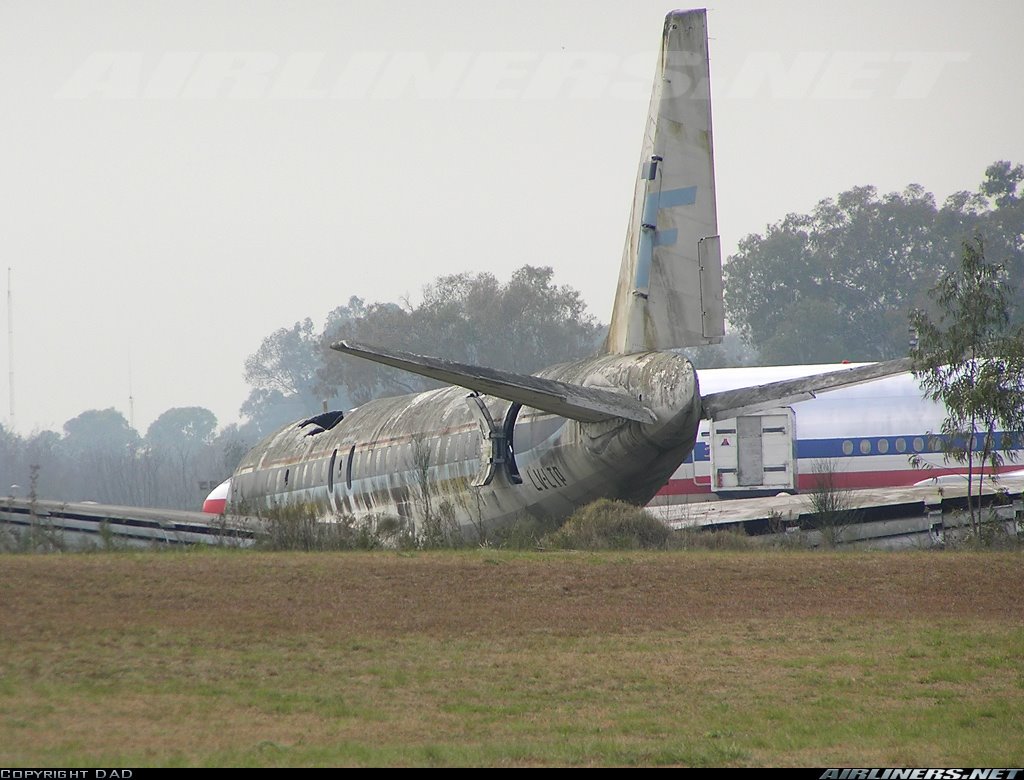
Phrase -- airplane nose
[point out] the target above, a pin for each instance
(217, 501)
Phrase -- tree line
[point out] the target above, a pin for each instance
(842, 282)
(99, 457)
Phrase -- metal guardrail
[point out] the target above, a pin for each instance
(87, 524)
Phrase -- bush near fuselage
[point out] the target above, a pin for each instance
(609, 525)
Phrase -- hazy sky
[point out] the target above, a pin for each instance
(179, 179)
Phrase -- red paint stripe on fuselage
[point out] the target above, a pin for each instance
(846, 480)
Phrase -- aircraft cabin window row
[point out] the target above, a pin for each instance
(918, 444)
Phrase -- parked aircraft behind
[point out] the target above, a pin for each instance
(498, 445)
(864, 435)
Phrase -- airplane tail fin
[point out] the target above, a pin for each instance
(670, 283)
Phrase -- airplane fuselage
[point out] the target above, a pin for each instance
(479, 461)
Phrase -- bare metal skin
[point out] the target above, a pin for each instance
(395, 449)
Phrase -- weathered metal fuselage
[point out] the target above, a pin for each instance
(479, 460)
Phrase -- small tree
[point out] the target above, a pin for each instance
(972, 360)
(832, 505)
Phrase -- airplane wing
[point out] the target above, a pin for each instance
(736, 403)
(587, 404)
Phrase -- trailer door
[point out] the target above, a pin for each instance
(754, 453)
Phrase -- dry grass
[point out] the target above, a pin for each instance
(752, 658)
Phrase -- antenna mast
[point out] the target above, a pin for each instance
(131, 396)
(10, 344)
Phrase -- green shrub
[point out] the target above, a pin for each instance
(609, 525)
(522, 532)
(304, 528)
(720, 539)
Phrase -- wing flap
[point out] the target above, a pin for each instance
(736, 403)
(587, 404)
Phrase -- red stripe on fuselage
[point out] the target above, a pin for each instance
(847, 480)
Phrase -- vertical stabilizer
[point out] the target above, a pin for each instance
(670, 284)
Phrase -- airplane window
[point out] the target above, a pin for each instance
(348, 474)
(918, 444)
(286, 473)
(883, 446)
(865, 446)
(901, 445)
(847, 447)
(330, 471)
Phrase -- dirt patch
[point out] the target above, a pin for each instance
(489, 594)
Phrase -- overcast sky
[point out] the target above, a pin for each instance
(179, 179)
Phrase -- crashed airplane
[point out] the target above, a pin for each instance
(496, 445)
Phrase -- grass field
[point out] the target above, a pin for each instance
(219, 658)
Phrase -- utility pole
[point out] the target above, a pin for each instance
(131, 396)
(10, 345)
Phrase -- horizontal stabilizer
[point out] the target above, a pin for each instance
(736, 403)
(587, 404)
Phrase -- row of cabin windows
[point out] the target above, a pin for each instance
(899, 445)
